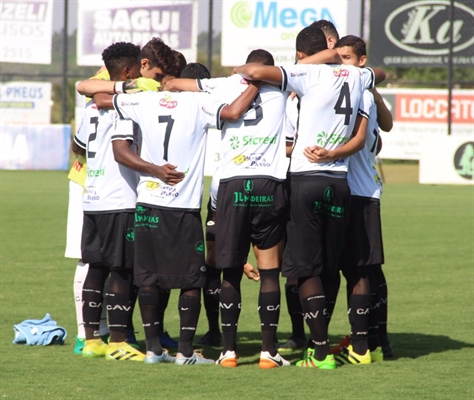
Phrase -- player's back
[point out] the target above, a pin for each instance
(329, 102)
(174, 128)
(109, 185)
(255, 144)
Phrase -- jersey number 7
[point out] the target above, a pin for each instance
(169, 126)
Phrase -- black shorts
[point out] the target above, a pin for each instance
(248, 211)
(108, 239)
(169, 248)
(364, 244)
(319, 207)
(210, 224)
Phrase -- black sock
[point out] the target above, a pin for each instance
(189, 305)
(313, 303)
(269, 307)
(119, 305)
(331, 285)
(359, 319)
(211, 292)
(294, 310)
(148, 301)
(92, 299)
(164, 300)
(230, 303)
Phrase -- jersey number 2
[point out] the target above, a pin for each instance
(344, 96)
(258, 112)
(169, 125)
(93, 136)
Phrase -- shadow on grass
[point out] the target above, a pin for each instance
(405, 345)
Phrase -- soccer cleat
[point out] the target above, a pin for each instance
(211, 338)
(94, 348)
(196, 358)
(152, 358)
(131, 339)
(293, 343)
(229, 359)
(376, 355)
(309, 361)
(348, 356)
(166, 340)
(344, 343)
(268, 361)
(122, 351)
(79, 345)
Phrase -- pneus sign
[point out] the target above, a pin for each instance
(417, 33)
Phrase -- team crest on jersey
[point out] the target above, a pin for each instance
(152, 185)
(167, 102)
(340, 72)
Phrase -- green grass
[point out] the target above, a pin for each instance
(429, 241)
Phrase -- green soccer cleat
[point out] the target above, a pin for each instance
(122, 351)
(94, 348)
(348, 356)
(309, 361)
(79, 345)
(376, 355)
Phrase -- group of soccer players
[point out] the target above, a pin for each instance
(319, 216)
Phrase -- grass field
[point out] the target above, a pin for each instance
(429, 242)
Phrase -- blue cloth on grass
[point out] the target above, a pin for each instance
(39, 332)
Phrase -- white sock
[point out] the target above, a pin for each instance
(79, 278)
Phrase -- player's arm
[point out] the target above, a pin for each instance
(317, 154)
(89, 87)
(232, 112)
(77, 149)
(182, 85)
(104, 101)
(379, 145)
(384, 116)
(328, 56)
(259, 72)
(125, 156)
(380, 75)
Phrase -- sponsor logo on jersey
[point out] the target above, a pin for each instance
(167, 102)
(130, 235)
(150, 185)
(240, 159)
(333, 211)
(206, 111)
(95, 173)
(340, 72)
(254, 160)
(199, 247)
(324, 139)
(141, 209)
(249, 140)
(295, 75)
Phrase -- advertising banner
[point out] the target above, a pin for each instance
(25, 103)
(417, 33)
(103, 22)
(421, 115)
(35, 147)
(448, 160)
(26, 31)
(274, 25)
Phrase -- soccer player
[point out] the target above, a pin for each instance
(319, 198)
(167, 219)
(252, 199)
(363, 254)
(107, 237)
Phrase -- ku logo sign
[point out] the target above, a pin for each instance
(424, 27)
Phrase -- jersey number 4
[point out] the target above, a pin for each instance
(344, 97)
(166, 119)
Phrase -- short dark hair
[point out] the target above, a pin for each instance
(311, 40)
(177, 65)
(120, 55)
(195, 71)
(327, 27)
(158, 54)
(357, 44)
(260, 56)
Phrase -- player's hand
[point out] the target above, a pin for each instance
(317, 154)
(137, 85)
(292, 96)
(251, 272)
(168, 174)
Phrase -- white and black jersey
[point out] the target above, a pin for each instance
(174, 128)
(362, 177)
(254, 146)
(329, 103)
(109, 186)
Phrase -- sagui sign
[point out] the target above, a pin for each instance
(418, 32)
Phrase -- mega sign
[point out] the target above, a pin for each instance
(274, 25)
(102, 23)
(419, 32)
